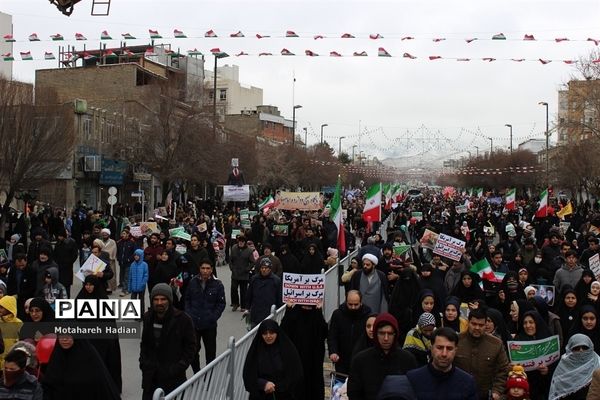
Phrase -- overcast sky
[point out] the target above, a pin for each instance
(389, 98)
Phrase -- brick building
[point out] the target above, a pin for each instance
(265, 122)
(579, 111)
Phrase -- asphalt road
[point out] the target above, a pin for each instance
(230, 324)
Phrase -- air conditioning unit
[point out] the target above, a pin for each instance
(92, 163)
(80, 106)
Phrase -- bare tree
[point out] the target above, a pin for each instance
(37, 140)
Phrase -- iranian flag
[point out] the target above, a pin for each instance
(266, 203)
(26, 56)
(510, 199)
(372, 210)
(480, 193)
(542, 210)
(387, 191)
(484, 270)
(336, 216)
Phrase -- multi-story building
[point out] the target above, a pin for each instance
(232, 96)
(113, 91)
(579, 111)
(6, 47)
(265, 122)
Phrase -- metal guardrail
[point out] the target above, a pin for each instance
(222, 379)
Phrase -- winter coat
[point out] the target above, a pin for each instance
(138, 274)
(23, 285)
(371, 366)
(565, 276)
(26, 388)
(262, 293)
(40, 269)
(429, 383)
(53, 290)
(485, 359)
(65, 254)
(345, 329)
(241, 263)
(163, 364)
(10, 325)
(125, 250)
(205, 305)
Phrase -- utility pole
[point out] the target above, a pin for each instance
(511, 147)
(322, 126)
(477, 148)
(340, 145)
(543, 103)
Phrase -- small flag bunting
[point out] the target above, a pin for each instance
(310, 53)
(596, 41)
(470, 40)
(210, 34)
(57, 37)
(434, 57)
(79, 36)
(259, 36)
(499, 36)
(105, 36)
(237, 34)
(241, 53)
(528, 37)
(375, 36)
(407, 38)
(194, 52)
(8, 38)
(408, 55)
(154, 34)
(558, 40)
(348, 36)
(318, 37)
(286, 52)
(48, 55)
(381, 52)
(179, 34)
(334, 54)
(361, 54)
(110, 54)
(26, 56)
(34, 37)
(128, 36)
(290, 34)
(8, 57)
(265, 54)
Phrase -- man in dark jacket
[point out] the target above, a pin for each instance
(65, 255)
(168, 343)
(346, 326)
(369, 367)
(440, 379)
(263, 292)
(38, 241)
(125, 249)
(21, 283)
(205, 302)
(240, 265)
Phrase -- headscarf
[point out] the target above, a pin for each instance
(452, 301)
(97, 293)
(574, 371)
(277, 358)
(541, 329)
(567, 315)
(593, 334)
(581, 288)
(500, 331)
(471, 293)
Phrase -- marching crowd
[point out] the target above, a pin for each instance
(414, 324)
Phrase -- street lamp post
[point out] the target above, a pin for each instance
(353, 147)
(361, 157)
(543, 103)
(340, 144)
(294, 124)
(305, 137)
(217, 56)
(322, 126)
(511, 148)
(491, 146)
(477, 148)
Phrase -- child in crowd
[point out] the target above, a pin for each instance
(138, 277)
(517, 386)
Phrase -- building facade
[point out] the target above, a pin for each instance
(6, 47)
(232, 96)
(579, 111)
(264, 122)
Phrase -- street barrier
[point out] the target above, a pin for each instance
(222, 378)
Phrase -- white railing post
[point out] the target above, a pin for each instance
(159, 394)
(231, 369)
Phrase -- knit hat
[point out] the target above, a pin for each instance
(426, 319)
(105, 230)
(517, 378)
(371, 258)
(162, 289)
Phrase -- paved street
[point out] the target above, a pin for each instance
(230, 324)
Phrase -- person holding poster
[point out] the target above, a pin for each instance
(534, 328)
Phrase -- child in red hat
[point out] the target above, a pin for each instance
(517, 386)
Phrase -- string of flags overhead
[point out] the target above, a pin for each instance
(179, 34)
(382, 52)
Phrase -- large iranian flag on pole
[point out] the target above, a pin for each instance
(336, 216)
(510, 199)
(387, 191)
(372, 210)
(543, 208)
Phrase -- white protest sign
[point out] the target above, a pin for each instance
(236, 193)
(91, 266)
(595, 265)
(307, 289)
(462, 209)
(136, 231)
(447, 246)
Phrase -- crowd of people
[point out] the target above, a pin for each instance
(414, 325)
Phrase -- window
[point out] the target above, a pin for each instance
(110, 131)
(222, 94)
(86, 127)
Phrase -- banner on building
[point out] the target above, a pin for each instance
(303, 201)
(236, 193)
(450, 247)
(306, 289)
(533, 353)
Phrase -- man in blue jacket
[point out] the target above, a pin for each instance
(204, 303)
(440, 379)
